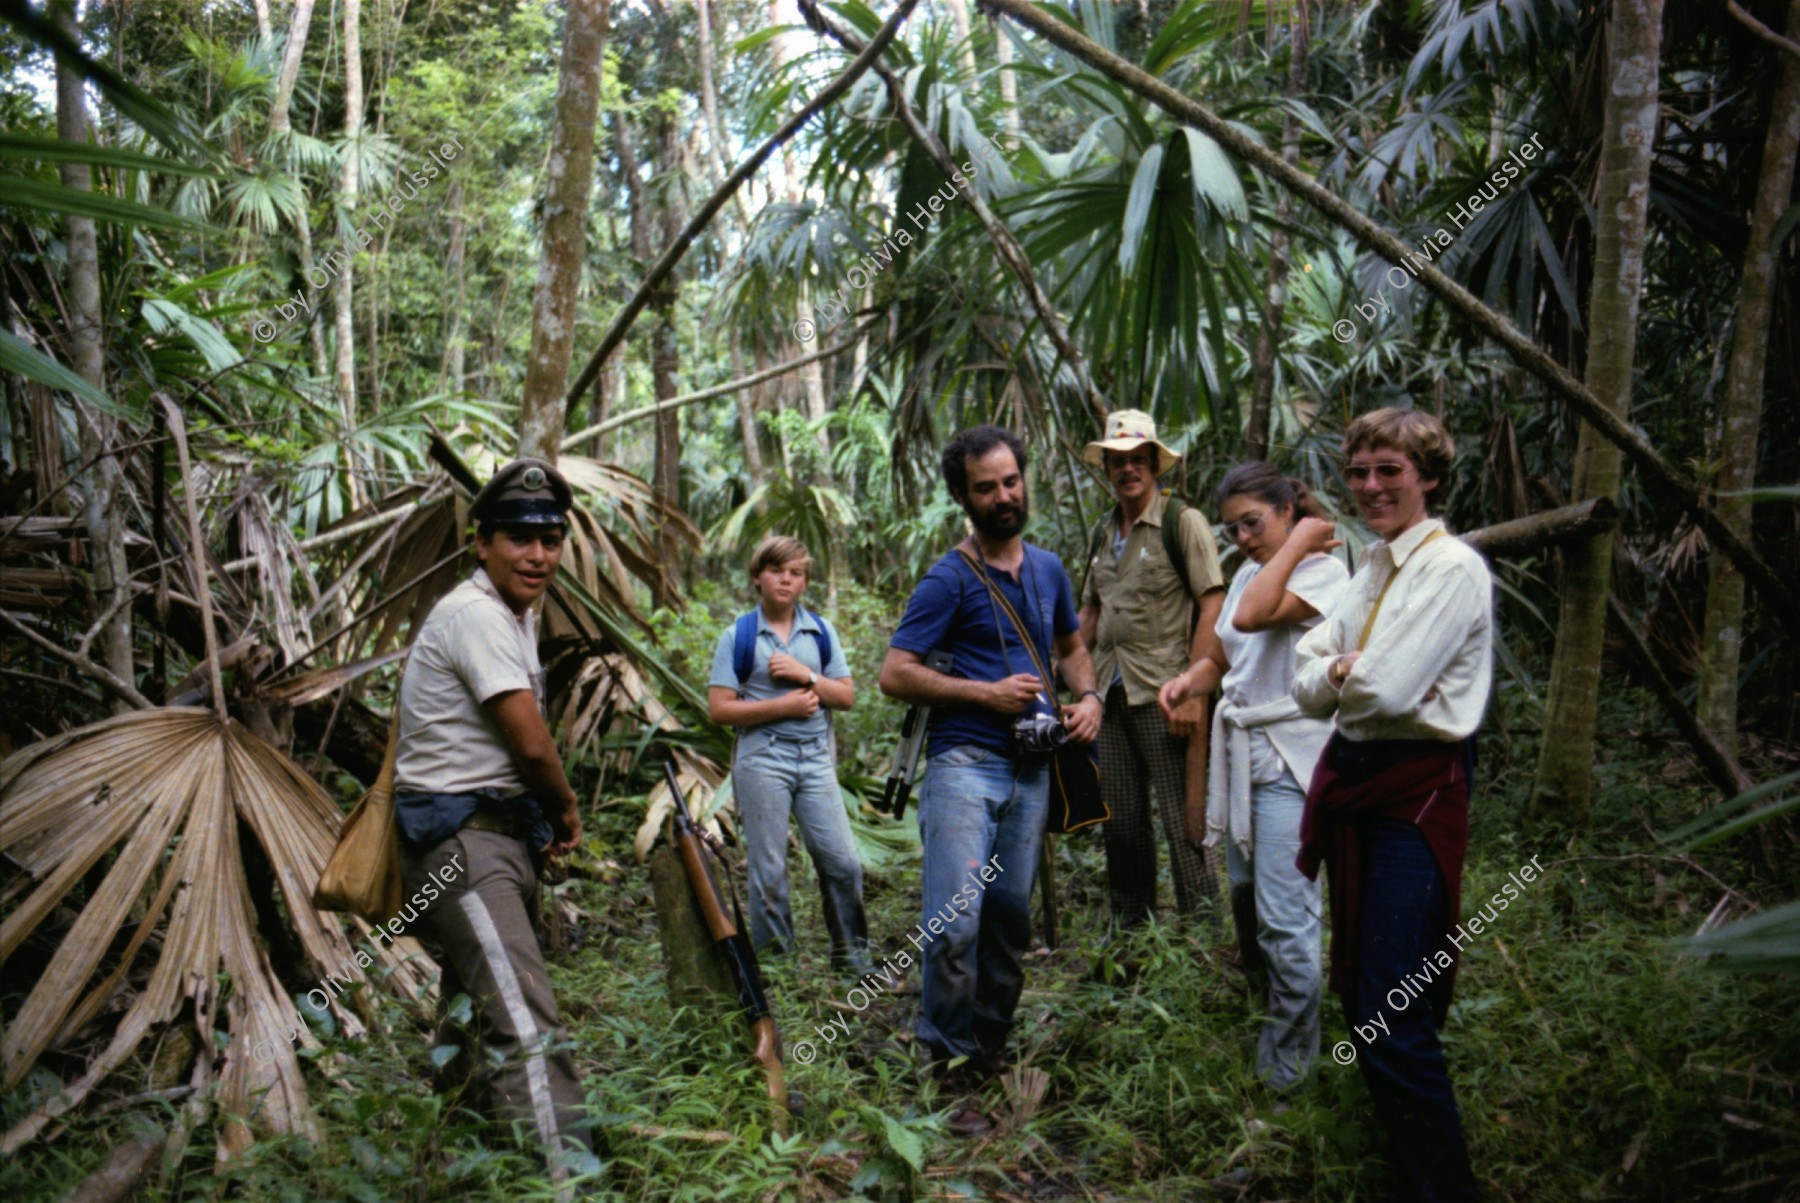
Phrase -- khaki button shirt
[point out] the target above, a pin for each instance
(1146, 610)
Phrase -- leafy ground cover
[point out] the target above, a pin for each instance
(1592, 1060)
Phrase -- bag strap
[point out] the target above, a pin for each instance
(1012, 616)
(1369, 626)
(1171, 539)
(743, 647)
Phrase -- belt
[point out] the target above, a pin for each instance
(482, 820)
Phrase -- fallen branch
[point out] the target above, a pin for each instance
(1660, 473)
(1538, 531)
(707, 394)
(1715, 760)
(1749, 21)
(615, 334)
(81, 664)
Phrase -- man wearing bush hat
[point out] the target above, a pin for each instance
(1151, 598)
(481, 802)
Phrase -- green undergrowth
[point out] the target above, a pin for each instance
(1591, 1060)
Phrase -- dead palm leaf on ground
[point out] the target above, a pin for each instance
(166, 795)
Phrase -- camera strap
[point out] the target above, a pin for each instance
(1012, 615)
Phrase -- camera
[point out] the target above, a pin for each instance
(1039, 733)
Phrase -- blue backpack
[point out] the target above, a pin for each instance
(743, 644)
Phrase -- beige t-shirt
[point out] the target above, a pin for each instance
(471, 648)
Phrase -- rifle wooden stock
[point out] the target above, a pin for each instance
(735, 948)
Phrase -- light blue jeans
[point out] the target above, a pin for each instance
(1278, 920)
(977, 808)
(773, 777)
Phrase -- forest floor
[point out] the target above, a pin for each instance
(1591, 1059)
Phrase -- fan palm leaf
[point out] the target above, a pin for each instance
(169, 793)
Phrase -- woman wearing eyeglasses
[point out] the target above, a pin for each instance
(1404, 663)
(1264, 748)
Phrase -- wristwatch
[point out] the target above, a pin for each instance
(814, 682)
(1091, 693)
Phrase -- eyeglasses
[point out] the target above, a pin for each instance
(1388, 473)
(1250, 526)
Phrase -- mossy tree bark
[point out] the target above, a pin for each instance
(1565, 770)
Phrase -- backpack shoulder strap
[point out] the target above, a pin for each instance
(1094, 542)
(1171, 536)
(822, 634)
(743, 647)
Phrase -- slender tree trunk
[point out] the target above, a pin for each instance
(959, 20)
(1268, 337)
(665, 361)
(1566, 762)
(263, 28)
(1009, 84)
(746, 408)
(102, 480)
(343, 290)
(450, 368)
(1722, 642)
(709, 105)
(290, 65)
(604, 394)
(568, 185)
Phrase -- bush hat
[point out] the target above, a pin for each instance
(1127, 430)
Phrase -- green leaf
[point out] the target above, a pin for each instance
(1138, 205)
(905, 1142)
(56, 150)
(165, 317)
(22, 359)
(75, 202)
(1214, 176)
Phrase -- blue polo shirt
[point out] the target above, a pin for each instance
(761, 687)
(952, 609)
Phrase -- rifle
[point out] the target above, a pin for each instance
(740, 959)
(912, 738)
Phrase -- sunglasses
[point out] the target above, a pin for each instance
(1387, 473)
(1249, 526)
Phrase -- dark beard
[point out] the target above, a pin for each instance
(998, 522)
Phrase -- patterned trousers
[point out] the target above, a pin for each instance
(1138, 756)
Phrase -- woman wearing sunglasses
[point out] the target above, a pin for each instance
(1404, 663)
(1264, 749)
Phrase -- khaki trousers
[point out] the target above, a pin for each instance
(489, 950)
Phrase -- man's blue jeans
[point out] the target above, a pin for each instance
(977, 807)
(772, 778)
(1279, 930)
(1403, 902)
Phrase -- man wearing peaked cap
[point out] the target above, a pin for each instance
(1150, 600)
(526, 492)
(481, 802)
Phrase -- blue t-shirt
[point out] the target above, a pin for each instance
(952, 609)
(760, 687)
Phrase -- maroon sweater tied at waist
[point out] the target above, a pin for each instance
(1423, 781)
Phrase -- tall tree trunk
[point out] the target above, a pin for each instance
(1009, 84)
(709, 105)
(665, 360)
(289, 74)
(1566, 762)
(959, 20)
(263, 28)
(1268, 337)
(1742, 420)
(102, 482)
(568, 185)
(343, 292)
(746, 408)
(451, 365)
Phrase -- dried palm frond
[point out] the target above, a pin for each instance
(167, 793)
